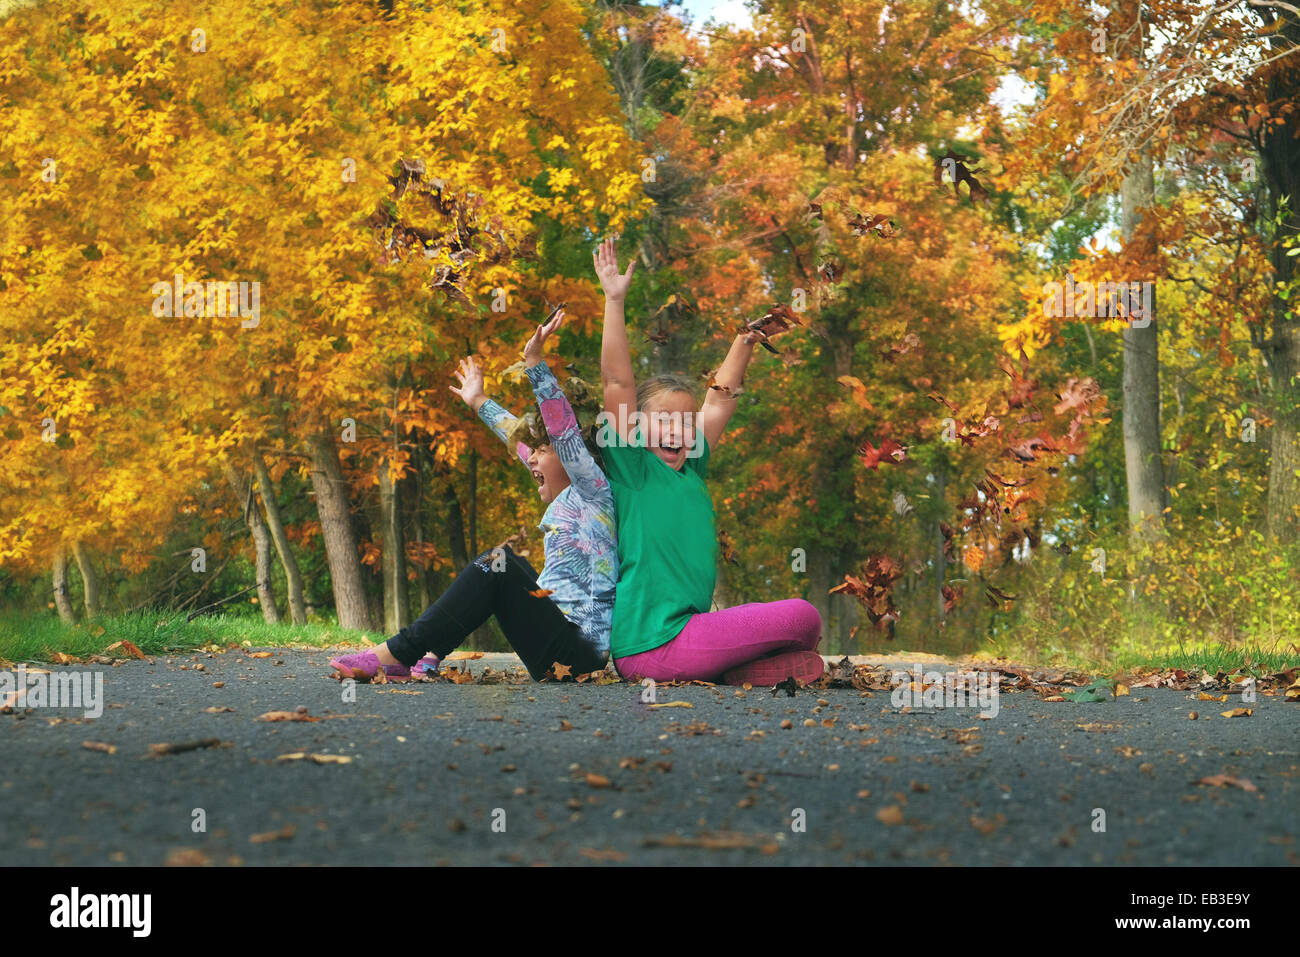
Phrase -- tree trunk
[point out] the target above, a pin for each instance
(1281, 168)
(292, 573)
(397, 611)
(1142, 459)
(89, 580)
(62, 602)
(819, 586)
(341, 546)
(940, 559)
(414, 494)
(455, 527)
(261, 542)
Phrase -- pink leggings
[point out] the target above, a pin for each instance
(717, 641)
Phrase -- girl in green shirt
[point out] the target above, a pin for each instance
(656, 445)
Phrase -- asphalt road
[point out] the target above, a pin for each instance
(525, 773)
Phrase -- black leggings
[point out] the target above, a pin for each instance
(498, 582)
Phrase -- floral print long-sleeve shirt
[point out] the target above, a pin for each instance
(578, 531)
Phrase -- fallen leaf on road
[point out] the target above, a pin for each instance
(259, 654)
(987, 825)
(565, 726)
(217, 709)
(718, 841)
(286, 716)
(186, 857)
(597, 780)
(1203, 696)
(890, 815)
(789, 686)
(673, 704)
(182, 746)
(608, 855)
(127, 648)
(1224, 781)
(99, 746)
(1238, 713)
(316, 758)
(283, 834)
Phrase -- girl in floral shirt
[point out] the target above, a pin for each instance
(562, 616)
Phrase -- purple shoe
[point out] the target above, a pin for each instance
(426, 666)
(364, 665)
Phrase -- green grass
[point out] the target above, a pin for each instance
(1207, 657)
(35, 637)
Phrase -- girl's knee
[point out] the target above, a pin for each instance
(807, 620)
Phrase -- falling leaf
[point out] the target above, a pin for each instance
(880, 225)
(955, 165)
(464, 656)
(541, 592)
(776, 320)
(99, 746)
(560, 672)
(889, 451)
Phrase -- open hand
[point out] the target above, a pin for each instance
(536, 347)
(471, 383)
(614, 283)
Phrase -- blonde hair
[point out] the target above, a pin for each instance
(659, 385)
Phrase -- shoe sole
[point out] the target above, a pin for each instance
(804, 666)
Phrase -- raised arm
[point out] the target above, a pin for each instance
(720, 403)
(497, 418)
(616, 375)
(561, 424)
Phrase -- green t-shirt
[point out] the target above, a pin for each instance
(667, 546)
